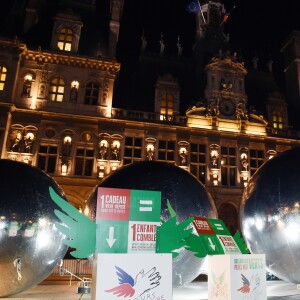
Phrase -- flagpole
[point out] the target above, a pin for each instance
(201, 12)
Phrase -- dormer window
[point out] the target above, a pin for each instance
(65, 38)
(166, 107)
(3, 73)
(277, 119)
(66, 32)
(167, 97)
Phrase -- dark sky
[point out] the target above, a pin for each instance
(255, 27)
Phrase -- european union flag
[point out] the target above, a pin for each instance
(193, 6)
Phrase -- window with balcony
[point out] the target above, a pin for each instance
(65, 38)
(47, 158)
(228, 166)
(132, 150)
(3, 74)
(198, 161)
(84, 161)
(256, 160)
(166, 151)
(91, 93)
(57, 88)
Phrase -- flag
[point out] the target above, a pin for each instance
(193, 6)
(226, 16)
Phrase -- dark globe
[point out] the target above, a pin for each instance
(270, 214)
(30, 245)
(186, 194)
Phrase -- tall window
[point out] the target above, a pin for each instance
(256, 160)
(47, 158)
(198, 161)
(166, 151)
(277, 119)
(228, 166)
(3, 73)
(132, 150)
(57, 87)
(166, 107)
(65, 37)
(91, 93)
(84, 161)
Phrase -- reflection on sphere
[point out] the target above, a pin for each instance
(186, 194)
(30, 245)
(270, 214)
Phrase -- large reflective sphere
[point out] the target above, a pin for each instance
(30, 245)
(270, 214)
(187, 195)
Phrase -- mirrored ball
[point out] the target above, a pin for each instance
(270, 214)
(30, 245)
(186, 194)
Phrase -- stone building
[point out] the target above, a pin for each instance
(58, 114)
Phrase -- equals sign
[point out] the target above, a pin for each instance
(146, 205)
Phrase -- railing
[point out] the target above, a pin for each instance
(146, 116)
(77, 267)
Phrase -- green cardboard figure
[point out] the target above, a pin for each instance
(171, 236)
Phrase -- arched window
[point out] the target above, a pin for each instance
(91, 93)
(3, 73)
(65, 38)
(57, 87)
(228, 214)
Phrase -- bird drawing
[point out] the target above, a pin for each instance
(142, 283)
(249, 285)
(246, 285)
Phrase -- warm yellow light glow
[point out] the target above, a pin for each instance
(199, 122)
(104, 143)
(33, 104)
(182, 150)
(28, 77)
(116, 144)
(64, 169)
(67, 139)
(75, 84)
(150, 148)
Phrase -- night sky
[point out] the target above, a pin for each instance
(256, 27)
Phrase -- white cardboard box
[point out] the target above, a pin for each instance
(237, 277)
(132, 276)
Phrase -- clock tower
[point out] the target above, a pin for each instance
(224, 105)
(225, 91)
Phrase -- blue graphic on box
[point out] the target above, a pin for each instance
(143, 283)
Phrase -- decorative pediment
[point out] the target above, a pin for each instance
(227, 64)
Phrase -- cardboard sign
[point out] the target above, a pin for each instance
(132, 277)
(126, 220)
(215, 236)
(237, 277)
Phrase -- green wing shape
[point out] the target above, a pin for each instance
(171, 210)
(171, 236)
(194, 244)
(240, 242)
(80, 230)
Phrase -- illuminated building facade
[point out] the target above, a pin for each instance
(58, 114)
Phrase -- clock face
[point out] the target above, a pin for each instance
(227, 108)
